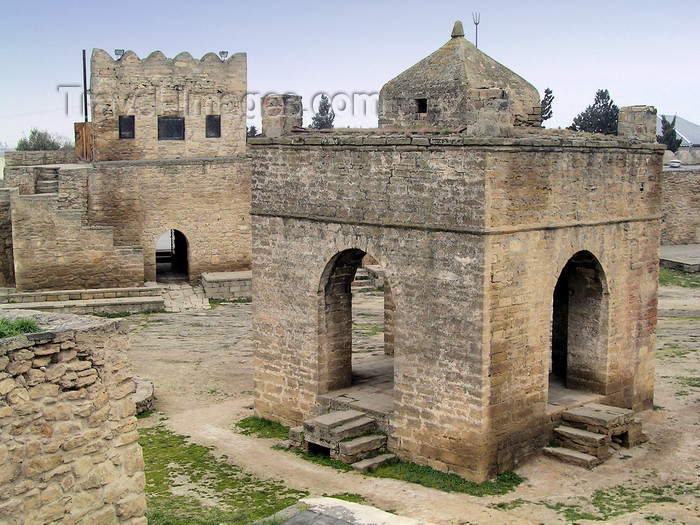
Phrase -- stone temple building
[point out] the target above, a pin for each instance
(520, 264)
(521, 268)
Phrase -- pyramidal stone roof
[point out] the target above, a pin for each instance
(459, 66)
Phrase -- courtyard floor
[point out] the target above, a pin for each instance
(201, 365)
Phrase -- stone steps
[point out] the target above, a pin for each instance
(574, 457)
(368, 464)
(46, 186)
(113, 305)
(46, 180)
(592, 443)
(349, 435)
(588, 432)
(12, 296)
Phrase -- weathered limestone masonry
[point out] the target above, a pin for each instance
(96, 225)
(513, 260)
(681, 202)
(457, 87)
(53, 245)
(7, 264)
(208, 200)
(68, 449)
(478, 230)
(157, 87)
(280, 114)
(228, 286)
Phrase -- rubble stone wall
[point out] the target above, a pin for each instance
(681, 205)
(177, 87)
(68, 446)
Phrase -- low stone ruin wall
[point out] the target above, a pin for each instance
(68, 440)
(37, 158)
(228, 286)
(680, 204)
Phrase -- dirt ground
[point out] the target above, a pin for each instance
(201, 365)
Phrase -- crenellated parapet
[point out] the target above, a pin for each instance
(160, 107)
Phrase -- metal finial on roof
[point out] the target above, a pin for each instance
(457, 30)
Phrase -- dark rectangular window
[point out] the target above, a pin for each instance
(171, 128)
(421, 105)
(126, 127)
(213, 125)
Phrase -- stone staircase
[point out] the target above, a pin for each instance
(349, 436)
(138, 299)
(588, 433)
(46, 180)
(362, 280)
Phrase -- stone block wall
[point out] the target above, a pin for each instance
(35, 158)
(681, 205)
(228, 286)
(158, 86)
(280, 113)
(54, 250)
(7, 263)
(477, 229)
(637, 122)
(68, 446)
(208, 200)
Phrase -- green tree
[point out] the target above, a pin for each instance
(601, 117)
(668, 134)
(547, 104)
(325, 116)
(252, 131)
(42, 140)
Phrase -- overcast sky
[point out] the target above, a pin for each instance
(644, 52)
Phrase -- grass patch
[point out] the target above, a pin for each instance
(242, 301)
(112, 315)
(429, 477)
(209, 490)
(146, 414)
(322, 459)
(216, 302)
(692, 382)
(347, 496)
(668, 276)
(509, 505)
(367, 329)
(263, 428)
(18, 326)
(605, 504)
(674, 351)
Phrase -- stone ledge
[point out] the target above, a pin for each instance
(148, 290)
(93, 306)
(425, 141)
(227, 286)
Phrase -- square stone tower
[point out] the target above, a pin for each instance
(519, 264)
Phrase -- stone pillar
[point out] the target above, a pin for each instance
(637, 122)
(280, 113)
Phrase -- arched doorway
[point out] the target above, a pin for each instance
(579, 326)
(356, 339)
(172, 257)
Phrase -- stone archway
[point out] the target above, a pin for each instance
(579, 343)
(335, 358)
(172, 257)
